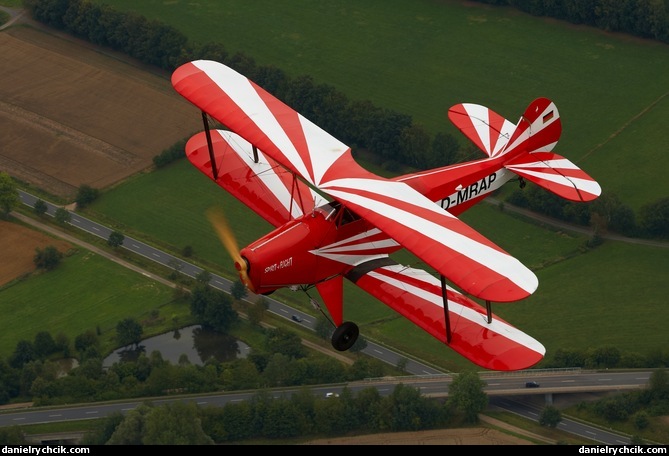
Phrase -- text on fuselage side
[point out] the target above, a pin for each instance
(473, 190)
(280, 265)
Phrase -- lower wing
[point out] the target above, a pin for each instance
(417, 296)
(252, 177)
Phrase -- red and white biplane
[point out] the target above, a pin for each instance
(333, 219)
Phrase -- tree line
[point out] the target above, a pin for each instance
(642, 18)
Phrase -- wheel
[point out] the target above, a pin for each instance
(345, 336)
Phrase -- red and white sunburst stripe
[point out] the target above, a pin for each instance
(557, 174)
(538, 129)
(417, 296)
(253, 113)
(264, 186)
(483, 126)
(359, 248)
(447, 244)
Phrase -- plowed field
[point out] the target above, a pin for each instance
(71, 115)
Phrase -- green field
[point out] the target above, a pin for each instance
(431, 55)
(423, 56)
(618, 286)
(86, 292)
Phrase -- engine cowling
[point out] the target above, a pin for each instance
(286, 256)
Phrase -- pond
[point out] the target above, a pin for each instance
(198, 344)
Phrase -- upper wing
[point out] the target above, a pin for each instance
(259, 117)
(444, 242)
(417, 296)
(263, 185)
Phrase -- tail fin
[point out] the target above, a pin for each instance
(536, 134)
(528, 144)
(539, 128)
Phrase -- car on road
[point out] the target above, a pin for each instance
(296, 318)
(532, 385)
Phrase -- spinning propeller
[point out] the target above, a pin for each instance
(226, 236)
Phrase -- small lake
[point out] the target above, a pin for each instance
(197, 343)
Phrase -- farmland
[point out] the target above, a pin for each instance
(577, 286)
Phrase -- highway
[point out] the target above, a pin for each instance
(505, 391)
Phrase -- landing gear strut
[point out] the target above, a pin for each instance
(345, 336)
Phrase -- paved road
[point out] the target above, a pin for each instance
(505, 392)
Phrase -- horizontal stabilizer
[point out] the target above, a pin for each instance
(416, 295)
(556, 174)
(483, 126)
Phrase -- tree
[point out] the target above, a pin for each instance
(654, 218)
(550, 417)
(131, 429)
(44, 344)
(23, 354)
(86, 195)
(256, 312)
(659, 385)
(62, 216)
(9, 195)
(12, 435)
(103, 430)
(187, 251)
(116, 239)
(323, 328)
(238, 290)
(47, 258)
(640, 420)
(176, 423)
(86, 340)
(40, 208)
(128, 331)
(203, 277)
(280, 340)
(416, 147)
(212, 308)
(466, 394)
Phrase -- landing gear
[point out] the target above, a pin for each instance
(345, 336)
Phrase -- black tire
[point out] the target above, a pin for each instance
(345, 336)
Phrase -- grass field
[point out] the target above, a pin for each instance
(85, 292)
(617, 286)
(421, 57)
(575, 288)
